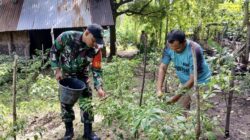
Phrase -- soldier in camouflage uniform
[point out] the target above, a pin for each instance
(72, 55)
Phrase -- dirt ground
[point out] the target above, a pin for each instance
(240, 116)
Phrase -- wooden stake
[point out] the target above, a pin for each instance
(144, 69)
(196, 88)
(42, 55)
(52, 35)
(229, 104)
(9, 48)
(14, 96)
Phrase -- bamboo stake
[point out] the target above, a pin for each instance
(196, 88)
(14, 96)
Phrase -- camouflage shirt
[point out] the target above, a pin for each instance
(72, 55)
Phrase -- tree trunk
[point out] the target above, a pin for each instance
(113, 31)
(165, 42)
(247, 23)
(112, 42)
(246, 59)
(166, 33)
(168, 8)
(160, 33)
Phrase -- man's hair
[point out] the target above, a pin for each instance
(176, 35)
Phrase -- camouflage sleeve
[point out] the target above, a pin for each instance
(55, 51)
(97, 70)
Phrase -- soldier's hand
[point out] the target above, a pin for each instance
(58, 74)
(101, 93)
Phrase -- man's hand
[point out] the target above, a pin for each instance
(161, 76)
(58, 74)
(174, 99)
(101, 93)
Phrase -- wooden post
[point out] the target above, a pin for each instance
(14, 96)
(52, 35)
(144, 67)
(9, 48)
(196, 88)
(42, 55)
(229, 103)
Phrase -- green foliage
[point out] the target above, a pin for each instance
(244, 85)
(3, 120)
(5, 69)
(33, 94)
(222, 64)
(160, 16)
(6, 123)
(44, 87)
(126, 36)
(153, 120)
(119, 74)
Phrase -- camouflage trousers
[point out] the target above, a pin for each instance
(86, 110)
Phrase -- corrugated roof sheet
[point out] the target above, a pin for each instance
(44, 14)
(9, 15)
(104, 9)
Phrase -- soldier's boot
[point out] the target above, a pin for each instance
(69, 134)
(88, 133)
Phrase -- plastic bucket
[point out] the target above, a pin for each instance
(70, 90)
